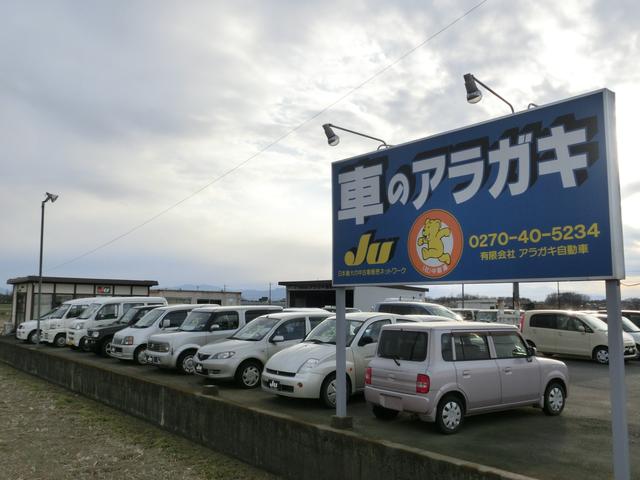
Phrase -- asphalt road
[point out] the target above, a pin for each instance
(576, 444)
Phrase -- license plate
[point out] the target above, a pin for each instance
(274, 384)
(393, 403)
(155, 360)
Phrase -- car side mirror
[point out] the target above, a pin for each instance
(532, 351)
(366, 340)
(582, 329)
(166, 323)
(277, 339)
(215, 326)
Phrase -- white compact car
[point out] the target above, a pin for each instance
(131, 342)
(202, 326)
(628, 327)
(243, 355)
(308, 369)
(53, 331)
(566, 332)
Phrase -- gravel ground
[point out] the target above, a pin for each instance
(47, 432)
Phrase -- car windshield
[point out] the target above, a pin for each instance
(594, 322)
(629, 326)
(256, 329)
(131, 315)
(326, 331)
(58, 312)
(443, 312)
(148, 319)
(93, 308)
(195, 322)
(487, 316)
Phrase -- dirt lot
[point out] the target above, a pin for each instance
(47, 432)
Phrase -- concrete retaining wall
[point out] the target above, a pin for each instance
(277, 443)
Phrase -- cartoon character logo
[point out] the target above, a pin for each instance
(435, 243)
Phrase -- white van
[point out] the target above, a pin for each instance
(103, 311)
(68, 310)
(131, 343)
(202, 326)
(566, 332)
(54, 329)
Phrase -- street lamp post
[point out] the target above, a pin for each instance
(53, 198)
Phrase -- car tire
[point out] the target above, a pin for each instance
(82, 345)
(185, 362)
(382, 413)
(248, 374)
(105, 347)
(60, 340)
(32, 337)
(139, 356)
(554, 399)
(328, 390)
(601, 355)
(450, 414)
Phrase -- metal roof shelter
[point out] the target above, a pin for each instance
(56, 290)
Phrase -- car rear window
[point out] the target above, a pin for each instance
(403, 345)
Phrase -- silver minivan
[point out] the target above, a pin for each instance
(446, 371)
(203, 325)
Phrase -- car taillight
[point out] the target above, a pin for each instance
(521, 326)
(367, 376)
(422, 383)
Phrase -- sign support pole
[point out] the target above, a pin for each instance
(617, 387)
(341, 353)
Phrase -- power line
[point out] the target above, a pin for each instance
(278, 140)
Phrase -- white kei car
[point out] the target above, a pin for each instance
(308, 369)
(243, 355)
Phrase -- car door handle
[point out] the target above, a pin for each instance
(466, 373)
(507, 370)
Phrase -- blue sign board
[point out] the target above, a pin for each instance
(532, 196)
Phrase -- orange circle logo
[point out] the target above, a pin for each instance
(435, 243)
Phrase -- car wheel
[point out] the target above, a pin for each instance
(83, 345)
(185, 363)
(32, 337)
(139, 356)
(105, 347)
(383, 413)
(601, 355)
(329, 390)
(248, 374)
(60, 340)
(554, 399)
(450, 414)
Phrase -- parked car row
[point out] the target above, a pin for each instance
(436, 366)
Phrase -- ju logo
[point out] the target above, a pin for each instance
(435, 243)
(373, 253)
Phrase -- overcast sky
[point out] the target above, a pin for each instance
(125, 109)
